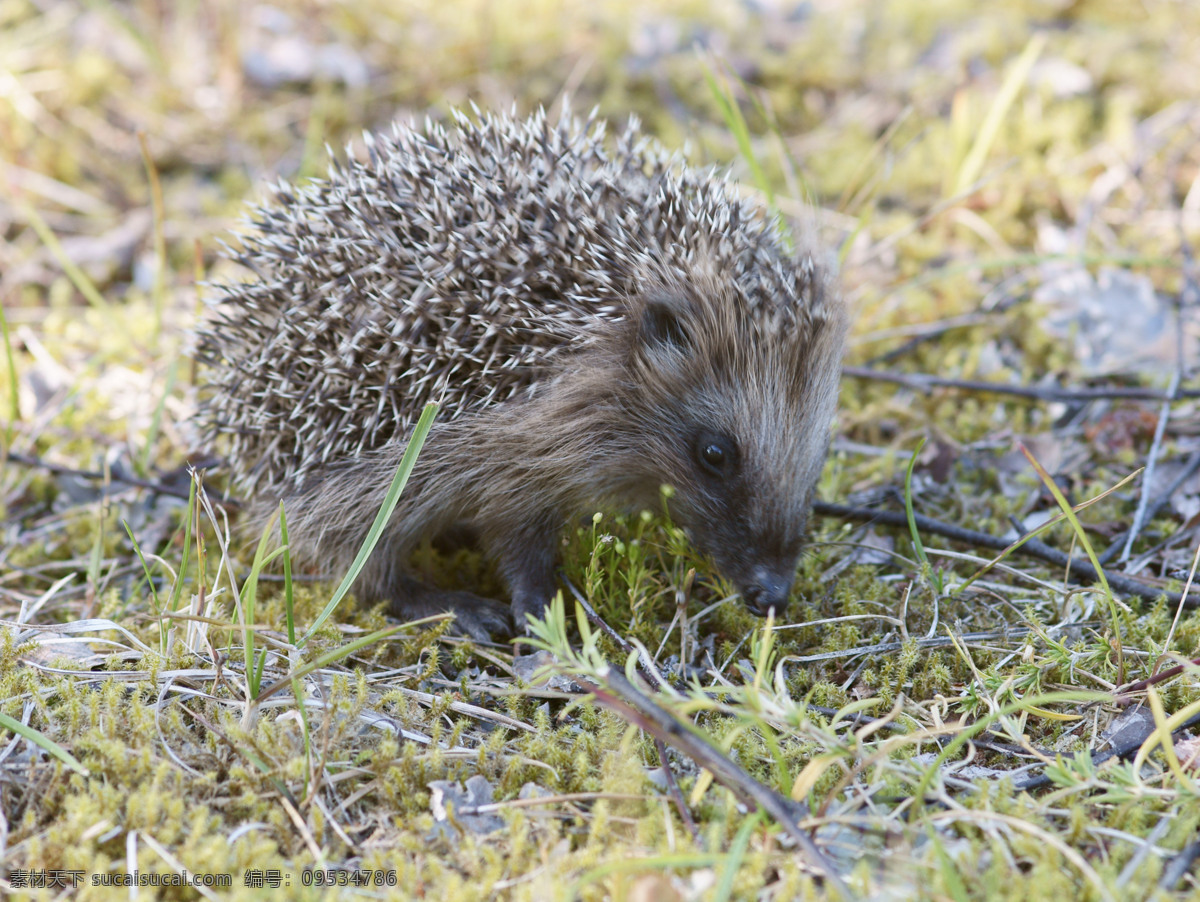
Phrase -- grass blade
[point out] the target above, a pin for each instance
(289, 601)
(77, 276)
(1069, 513)
(733, 861)
(973, 163)
(162, 624)
(736, 123)
(42, 742)
(1034, 533)
(381, 519)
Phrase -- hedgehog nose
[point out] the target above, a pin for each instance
(769, 590)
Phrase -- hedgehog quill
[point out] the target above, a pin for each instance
(594, 323)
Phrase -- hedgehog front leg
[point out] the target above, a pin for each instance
(526, 556)
(474, 616)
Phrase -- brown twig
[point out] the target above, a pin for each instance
(618, 694)
(676, 794)
(1124, 750)
(925, 383)
(603, 626)
(927, 332)
(1080, 569)
(118, 477)
(1189, 470)
(1153, 680)
(652, 678)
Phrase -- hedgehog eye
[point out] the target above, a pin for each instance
(715, 454)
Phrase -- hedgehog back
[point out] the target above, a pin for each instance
(460, 266)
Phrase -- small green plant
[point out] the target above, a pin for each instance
(1082, 538)
(927, 570)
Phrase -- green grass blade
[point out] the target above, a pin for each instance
(162, 624)
(950, 875)
(42, 742)
(381, 519)
(1068, 511)
(177, 589)
(289, 601)
(248, 595)
(908, 505)
(733, 861)
(736, 123)
(77, 276)
(332, 657)
(1034, 533)
(973, 163)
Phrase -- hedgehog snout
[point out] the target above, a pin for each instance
(768, 589)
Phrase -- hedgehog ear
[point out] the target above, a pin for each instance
(661, 324)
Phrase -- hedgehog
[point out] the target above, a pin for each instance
(596, 321)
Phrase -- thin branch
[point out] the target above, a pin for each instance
(638, 708)
(676, 794)
(1080, 569)
(1012, 632)
(651, 676)
(116, 477)
(1178, 866)
(921, 333)
(1124, 750)
(1164, 498)
(1121, 693)
(1160, 429)
(925, 383)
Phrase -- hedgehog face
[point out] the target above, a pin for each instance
(754, 544)
(743, 411)
(751, 465)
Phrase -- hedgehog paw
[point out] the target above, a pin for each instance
(477, 617)
(474, 616)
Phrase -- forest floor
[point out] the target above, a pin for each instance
(1013, 194)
